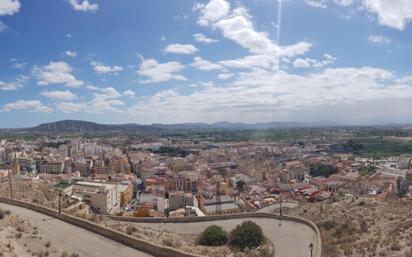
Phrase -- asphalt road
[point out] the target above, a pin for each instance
(70, 238)
(290, 239)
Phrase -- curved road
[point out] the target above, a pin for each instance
(291, 239)
(65, 236)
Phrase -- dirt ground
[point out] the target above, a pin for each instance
(18, 238)
(362, 227)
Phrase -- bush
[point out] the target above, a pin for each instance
(213, 236)
(320, 169)
(3, 213)
(247, 235)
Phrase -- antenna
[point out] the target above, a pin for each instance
(279, 21)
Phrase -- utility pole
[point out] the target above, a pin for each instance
(280, 209)
(60, 198)
(10, 184)
(218, 198)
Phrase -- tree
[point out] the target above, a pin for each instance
(240, 185)
(246, 235)
(320, 169)
(213, 236)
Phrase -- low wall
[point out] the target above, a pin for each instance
(136, 243)
(154, 249)
(246, 215)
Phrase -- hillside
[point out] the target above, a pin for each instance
(86, 126)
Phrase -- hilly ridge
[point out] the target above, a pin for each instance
(79, 126)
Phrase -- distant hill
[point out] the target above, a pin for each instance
(86, 126)
(77, 126)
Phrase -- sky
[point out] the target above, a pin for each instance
(175, 61)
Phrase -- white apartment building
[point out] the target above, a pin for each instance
(104, 198)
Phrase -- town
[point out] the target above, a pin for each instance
(181, 177)
(187, 176)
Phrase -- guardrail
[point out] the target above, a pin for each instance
(247, 215)
(136, 243)
(148, 247)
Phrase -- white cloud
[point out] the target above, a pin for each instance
(105, 100)
(224, 76)
(392, 13)
(296, 49)
(180, 49)
(9, 7)
(344, 2)
(92, 88)
(249, 62)
(68, 35)
(237, 25)
(213, 11)
(129, 93)
(263, 95)
(13, 85)
(323, 4)
(108, 93)
(31, 106)
(317, 3)
(202, 64)
(83, 6)
(18, 65)
(199, 37)
(105, 69)
(60, 95)
(380, 39)
(3, 27)
(308, 62)
(70, 53)
(56, 73)
(159, 72)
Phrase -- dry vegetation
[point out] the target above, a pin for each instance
(18, 237)
(39, 193)
(362, 227)
(187, 243)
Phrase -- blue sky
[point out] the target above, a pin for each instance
(345, 61)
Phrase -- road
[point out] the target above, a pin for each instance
(291, 239)
(70, 238)
(272, 207)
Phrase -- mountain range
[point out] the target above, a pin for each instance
(78, 126)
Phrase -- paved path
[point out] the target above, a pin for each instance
(291, 239)
(272, 207)
(65, 236)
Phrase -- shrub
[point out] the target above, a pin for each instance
(2, 213)
(246, 235)
(213, 236)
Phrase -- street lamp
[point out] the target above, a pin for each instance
(311, 249)
(280, 208)
(10, 184)
(60, 197)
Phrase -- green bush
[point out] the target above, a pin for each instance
(320, 169)
(213, 236)
(246, 235)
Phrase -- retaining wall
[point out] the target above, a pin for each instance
(248, 215)
(136, 243)
(145, 246)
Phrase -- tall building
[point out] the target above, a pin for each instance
(103, 198)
